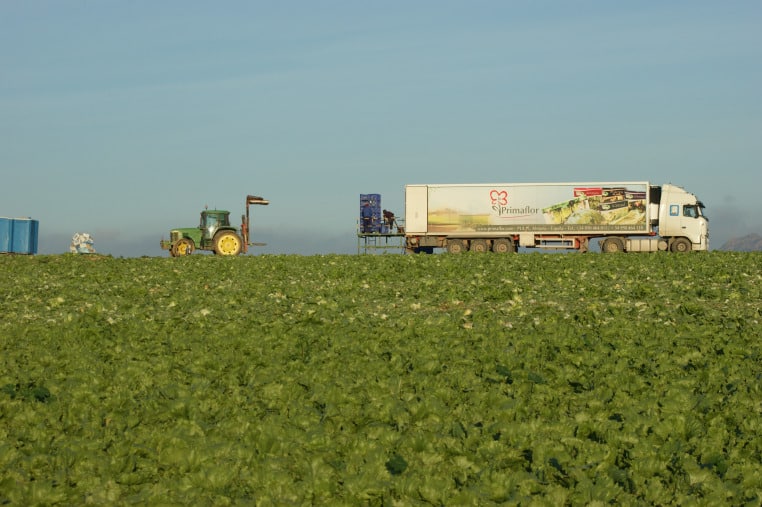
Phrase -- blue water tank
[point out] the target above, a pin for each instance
(18, 235)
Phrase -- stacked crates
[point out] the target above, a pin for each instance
(18, 235)
(374, 222)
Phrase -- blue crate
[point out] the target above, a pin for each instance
(374, 203)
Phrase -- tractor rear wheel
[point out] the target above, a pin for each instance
(184, 246)
(227, 243)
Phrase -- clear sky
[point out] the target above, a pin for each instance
(125, 118)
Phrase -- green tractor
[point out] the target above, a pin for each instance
(214, 233)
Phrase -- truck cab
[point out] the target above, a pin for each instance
(682, 219)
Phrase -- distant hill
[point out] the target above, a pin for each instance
(750, 243)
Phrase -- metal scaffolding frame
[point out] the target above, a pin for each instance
(380, 242)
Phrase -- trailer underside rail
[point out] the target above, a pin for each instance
(389, 238)
(376, 242)
(569, 243)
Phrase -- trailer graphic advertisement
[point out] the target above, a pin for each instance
(546, 207)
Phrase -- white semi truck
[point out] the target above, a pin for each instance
(624, 216)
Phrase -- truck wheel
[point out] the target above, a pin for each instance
(479, 245)
(227, 243)
(184, 246)
(503, 245)
(454, 246)
(681, 245)
(612, 245)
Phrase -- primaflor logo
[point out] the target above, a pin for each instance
(498, 197)
(501, 207)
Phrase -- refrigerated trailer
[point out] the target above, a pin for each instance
(623, 216)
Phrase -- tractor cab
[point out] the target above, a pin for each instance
(211, 221)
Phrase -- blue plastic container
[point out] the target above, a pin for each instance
(374, 203)
(6, 233)
(18, 235)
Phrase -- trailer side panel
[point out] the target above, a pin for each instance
(511, 209)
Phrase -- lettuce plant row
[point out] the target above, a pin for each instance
(381, 380)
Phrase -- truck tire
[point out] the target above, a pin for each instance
(455, 246)
(681, 245)
(227, 243)
(503, 245)
(182, 247)
(479, 245)
(612, 245)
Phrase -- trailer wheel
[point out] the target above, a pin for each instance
(479, 245)
(454, 246)
(184, 246)
(612, 245)
(503, 245)
(227, 243)
(681, 245)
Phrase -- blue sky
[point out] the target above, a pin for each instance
(125, 118)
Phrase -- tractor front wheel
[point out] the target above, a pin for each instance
(227, 243)
(184, 246)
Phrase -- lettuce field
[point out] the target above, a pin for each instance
(581, 379)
